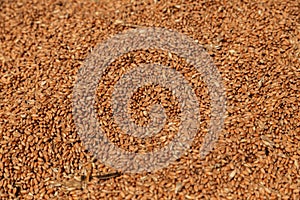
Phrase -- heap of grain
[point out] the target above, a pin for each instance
(255, 46)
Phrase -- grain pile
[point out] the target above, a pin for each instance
(256, 48)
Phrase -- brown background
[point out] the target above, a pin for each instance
(254, 44)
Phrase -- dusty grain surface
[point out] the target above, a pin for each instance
(255, 46)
